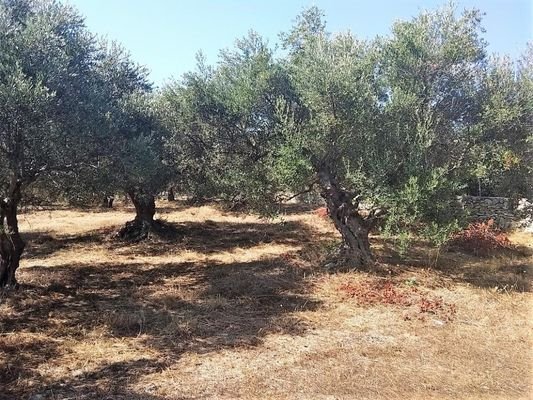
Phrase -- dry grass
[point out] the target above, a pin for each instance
(237, 307)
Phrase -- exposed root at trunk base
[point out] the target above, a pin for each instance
(139, 230)
(343, 259)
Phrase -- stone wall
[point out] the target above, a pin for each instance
(482, 208)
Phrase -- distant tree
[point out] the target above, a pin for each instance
(224, 124)
(171, 195)
(191, 141)
(139, 161)
(129, 156)
(48, 108)
(502, 159)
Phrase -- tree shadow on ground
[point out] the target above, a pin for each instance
(20, 357)
(207, 237)
(42, 244)
(168, 308)
(172, 308)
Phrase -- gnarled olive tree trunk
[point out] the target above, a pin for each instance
(11, 244)
(351, 225)
(144, 223)
(144, 206)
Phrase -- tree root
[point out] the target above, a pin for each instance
(139, 230)
(343, 259)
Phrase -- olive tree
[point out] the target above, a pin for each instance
(432, 69)
(48, 108)
(122, 106)
(390, 122)
(335, 79)
(224, 123)
(129, 153)
(139, 163)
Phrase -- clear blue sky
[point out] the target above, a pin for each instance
(165, 35)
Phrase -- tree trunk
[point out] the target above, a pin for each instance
(143, 224)
(171, 196)
(11, 244)
(107, 201)
(351, 225)
(144, 206)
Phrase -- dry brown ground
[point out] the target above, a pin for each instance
(236, 307)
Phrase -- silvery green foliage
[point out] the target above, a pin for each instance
(395, 119)
(502, 160)
(48, 90)
(337, 118)
(432, 69)
(224, 124)
(390, 117)
(72, 106)
(138, 146)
